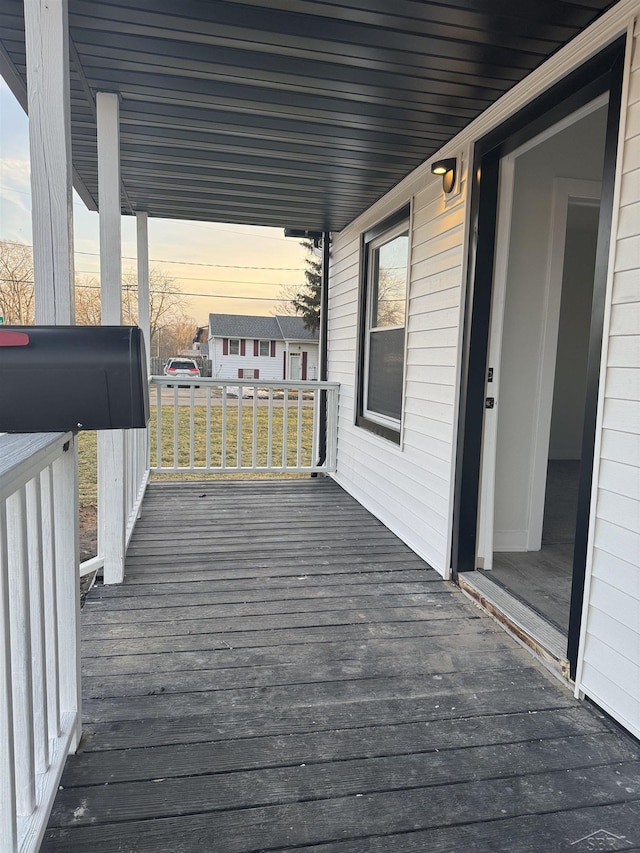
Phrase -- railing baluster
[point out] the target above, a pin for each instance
(68, 587)
(207, 461)
(299, 433)
(224, 428)
(175, 425)
(36, 596)
(316, 427)
(270, 432)
(192, 426)
(285, 427)
(126, 474)
(21, 653)
(8, 821)
(141, 447)
(254, 443)
(159, 426)
(239, 443)
(332, 428)
(51, 597)
(133, 469)
(128, 471)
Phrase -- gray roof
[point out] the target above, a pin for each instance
(279, 328)
(291, 114)
(293, 329)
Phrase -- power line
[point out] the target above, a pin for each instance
(200, 264)
(168, 292)
(200, 295)
(214, 280)
(182, 263)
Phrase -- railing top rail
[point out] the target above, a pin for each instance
(305, 384)
(23, 456)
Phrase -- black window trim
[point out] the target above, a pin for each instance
(401, 215)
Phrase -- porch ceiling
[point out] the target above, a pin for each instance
(293, 113)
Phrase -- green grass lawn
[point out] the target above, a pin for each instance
(257, 426)
(87, 468)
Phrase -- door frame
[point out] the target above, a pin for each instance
(603, 73)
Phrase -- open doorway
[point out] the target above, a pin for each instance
(548, 218)
(521, 170)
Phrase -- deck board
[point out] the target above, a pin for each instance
(278, 672)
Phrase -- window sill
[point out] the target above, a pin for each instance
(389, 433)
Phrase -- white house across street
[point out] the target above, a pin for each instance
(245, 347)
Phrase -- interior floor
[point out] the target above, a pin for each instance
(542, 579)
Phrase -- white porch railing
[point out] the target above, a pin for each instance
(211, 426)
(136, 475)
(39, 619)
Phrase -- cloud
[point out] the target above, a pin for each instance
(15, 174)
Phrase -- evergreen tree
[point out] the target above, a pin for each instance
(306, 300)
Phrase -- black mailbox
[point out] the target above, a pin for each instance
(60, 378)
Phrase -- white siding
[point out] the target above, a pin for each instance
(609, 666)
(227, 366)
(410, 487)
(407, 487)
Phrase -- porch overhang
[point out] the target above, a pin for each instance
(286, 113)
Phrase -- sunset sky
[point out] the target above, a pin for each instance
(202, 258)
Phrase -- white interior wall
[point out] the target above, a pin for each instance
(564, 155)
(570, 382)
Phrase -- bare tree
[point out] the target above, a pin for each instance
(16, 283)
(167, 304)
(391, 297)
(304, 299)
(168, 319)
(87, 301)
(177, 335)
(288, 293)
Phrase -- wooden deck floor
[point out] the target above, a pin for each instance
(280, 673)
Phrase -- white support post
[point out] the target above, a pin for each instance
(48, 86)
(144, 305)
(111, 445)
(47, 55)
(108, 134)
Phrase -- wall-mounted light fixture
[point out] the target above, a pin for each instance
(448, 169)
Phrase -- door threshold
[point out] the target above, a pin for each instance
(522, 622)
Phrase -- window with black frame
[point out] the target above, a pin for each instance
(383, 315)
